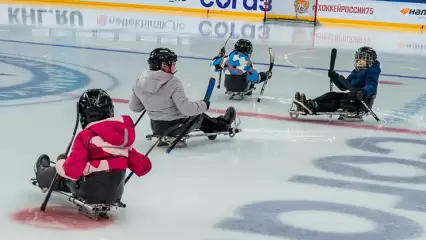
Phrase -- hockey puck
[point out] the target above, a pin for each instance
(58, 218)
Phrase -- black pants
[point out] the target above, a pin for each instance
(332, 101)
(96, 188)
(207, 125)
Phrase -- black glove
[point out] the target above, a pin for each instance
(359, 94)
(265, 76)
(207, 103)
(333, 75)
(268, 74)
(221, 54)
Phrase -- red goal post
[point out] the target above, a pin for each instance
(304, 11)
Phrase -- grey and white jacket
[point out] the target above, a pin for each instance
(163, 97)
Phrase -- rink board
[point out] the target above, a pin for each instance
(365, 12)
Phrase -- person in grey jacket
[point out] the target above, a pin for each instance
(161, 94)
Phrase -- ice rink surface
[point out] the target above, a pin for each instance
(279, 179)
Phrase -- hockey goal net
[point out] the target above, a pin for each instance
(301, 11)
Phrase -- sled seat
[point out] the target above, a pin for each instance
(174, 128)
(100, 187)
(236, 84)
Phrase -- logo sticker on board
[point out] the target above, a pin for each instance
(301, 6)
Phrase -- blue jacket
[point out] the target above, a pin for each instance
(365, 80)
(237, 63)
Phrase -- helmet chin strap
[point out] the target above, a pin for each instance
(169, 68)
(173, 69)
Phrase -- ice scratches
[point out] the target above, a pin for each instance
(406, 115)
(292, 135)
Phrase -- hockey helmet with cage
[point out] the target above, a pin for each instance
(244, 46)
(367, 54)
(94, 105)
(160, 57)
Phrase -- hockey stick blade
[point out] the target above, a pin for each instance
(333, 58)
(271, 66)
(271, 59)
(57, 177)
(207, 97)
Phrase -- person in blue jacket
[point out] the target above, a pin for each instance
(240, 75)
(364, 78)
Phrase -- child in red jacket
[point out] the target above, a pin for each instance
(103, 147)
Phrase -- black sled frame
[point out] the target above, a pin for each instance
(344, 114)
(93, 211)
(238, 87)
(194, 132)
(239, 95)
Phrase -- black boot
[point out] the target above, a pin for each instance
(230, 116)
(250, 90)
(42, 163)
(298, 98)
(310, 104)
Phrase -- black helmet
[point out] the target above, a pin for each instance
(159, 56)
(244, 46)
(367, 54)
(94, 105)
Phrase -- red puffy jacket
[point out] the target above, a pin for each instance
(102, 146)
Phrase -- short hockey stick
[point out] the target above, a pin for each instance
(140, 117)
(352, 90)
(220, 73)
(207, 97)
(271, 65)
(57, 176)
(332, 64)
(153, 146)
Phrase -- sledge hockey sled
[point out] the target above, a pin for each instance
(174, 132)
(348, 112)
(95, 194)
(238, 87)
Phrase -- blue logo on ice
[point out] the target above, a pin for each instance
(250, 5)
(26, 78)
